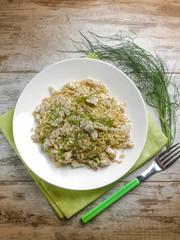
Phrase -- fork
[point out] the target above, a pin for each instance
(161, 162)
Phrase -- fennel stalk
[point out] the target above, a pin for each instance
(149, 73)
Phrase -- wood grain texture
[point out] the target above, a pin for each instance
(154, 210)
(31, 33)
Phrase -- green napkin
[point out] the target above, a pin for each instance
(68, 202)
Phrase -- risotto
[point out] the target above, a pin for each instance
(82, 125)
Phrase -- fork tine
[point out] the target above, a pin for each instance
(165, 157)
(166, 151)
(169, 164)
(165, 162)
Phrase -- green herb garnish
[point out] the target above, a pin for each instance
(60, 153)
(149, 73)
(107, 121)
(42, 140)
(84, 98)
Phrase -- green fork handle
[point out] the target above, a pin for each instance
(110, 200)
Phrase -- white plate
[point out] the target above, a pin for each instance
(57, 75)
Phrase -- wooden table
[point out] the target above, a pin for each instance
(31, 33)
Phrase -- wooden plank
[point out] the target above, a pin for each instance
(32, 32)
(11, 87)
(151, 211)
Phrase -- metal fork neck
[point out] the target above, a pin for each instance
(150, 171)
